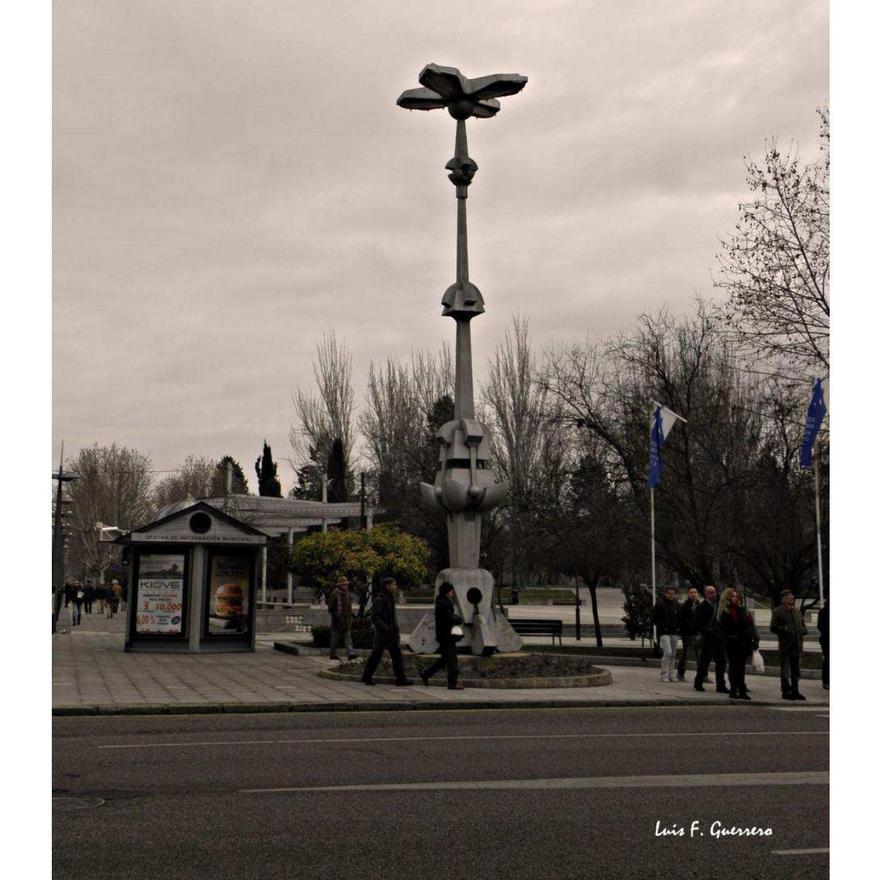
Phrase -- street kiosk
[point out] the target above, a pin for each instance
(192, 582)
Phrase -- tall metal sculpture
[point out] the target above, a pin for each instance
(465, 485)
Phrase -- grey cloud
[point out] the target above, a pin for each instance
(231, 179)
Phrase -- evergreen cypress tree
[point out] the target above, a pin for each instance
(267, 474)
(219, 480)
(337, 473)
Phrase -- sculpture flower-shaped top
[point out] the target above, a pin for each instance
(462, 97)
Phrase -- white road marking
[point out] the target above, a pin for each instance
(796, 708)
(462, 737)
(799, 852)
(584, 782)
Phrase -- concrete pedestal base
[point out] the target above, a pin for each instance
(486, 630)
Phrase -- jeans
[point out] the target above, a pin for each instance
(77, 614)
(345, 633)
(686, 644)
(448, 658)
(790, 672)
(668, 644)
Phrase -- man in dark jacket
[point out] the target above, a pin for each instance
(339, 606)
(686, 612)
(384, 618)
(666, 621)
(787, 625)
(709, 641)
(444, 619)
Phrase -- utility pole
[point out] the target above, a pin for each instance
(58, 537)
(363, 504)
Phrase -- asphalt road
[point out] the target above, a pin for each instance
(501, 794)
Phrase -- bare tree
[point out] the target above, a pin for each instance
(775, 267)
(405, 404)
(721, 468)
(528, 446)
(194, 480)
(398, 405)
(328, 413)
(113, 488)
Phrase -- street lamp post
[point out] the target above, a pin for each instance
(62, 477)
(464, 486)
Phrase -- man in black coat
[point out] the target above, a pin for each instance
(686, 612)
(710, 641)
(444, 619)
(383, 615)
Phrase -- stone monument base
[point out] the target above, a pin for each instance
(486, 629)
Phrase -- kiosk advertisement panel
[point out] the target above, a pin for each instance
(160, 593)
(229, 594)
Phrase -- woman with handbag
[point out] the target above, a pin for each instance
(740, 640)
(446, 622)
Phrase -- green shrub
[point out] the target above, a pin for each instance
(361, 634)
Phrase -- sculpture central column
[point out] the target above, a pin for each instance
(465, 485)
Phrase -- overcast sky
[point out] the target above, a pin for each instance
(233, 178)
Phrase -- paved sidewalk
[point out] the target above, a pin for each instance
(93, 675)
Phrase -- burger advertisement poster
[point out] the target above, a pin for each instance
(229, 594)
(160, 593)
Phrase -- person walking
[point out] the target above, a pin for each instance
(383, 615)
(740, 640)
(666, 621)
(709, 642)
(79, 598)
(686, 612)
(339, 606)
(823, 624)
(116, 598)
(445, 619)
(108, 601)
(89, 597)
(787, 624)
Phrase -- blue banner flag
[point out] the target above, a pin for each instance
(655, 460)
(661, 424)
(815, 415)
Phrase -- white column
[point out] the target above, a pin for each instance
(289, 572)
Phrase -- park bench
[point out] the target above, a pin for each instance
(537, 627)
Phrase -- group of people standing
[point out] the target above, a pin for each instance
(386, 631)
(723, 631)
(82, 597)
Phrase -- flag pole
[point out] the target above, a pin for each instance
(818, 528)
(653, 556)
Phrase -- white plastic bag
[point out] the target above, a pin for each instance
(757, 661)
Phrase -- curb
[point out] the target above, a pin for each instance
(597, 678)
(603, 659)
(416, 706)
